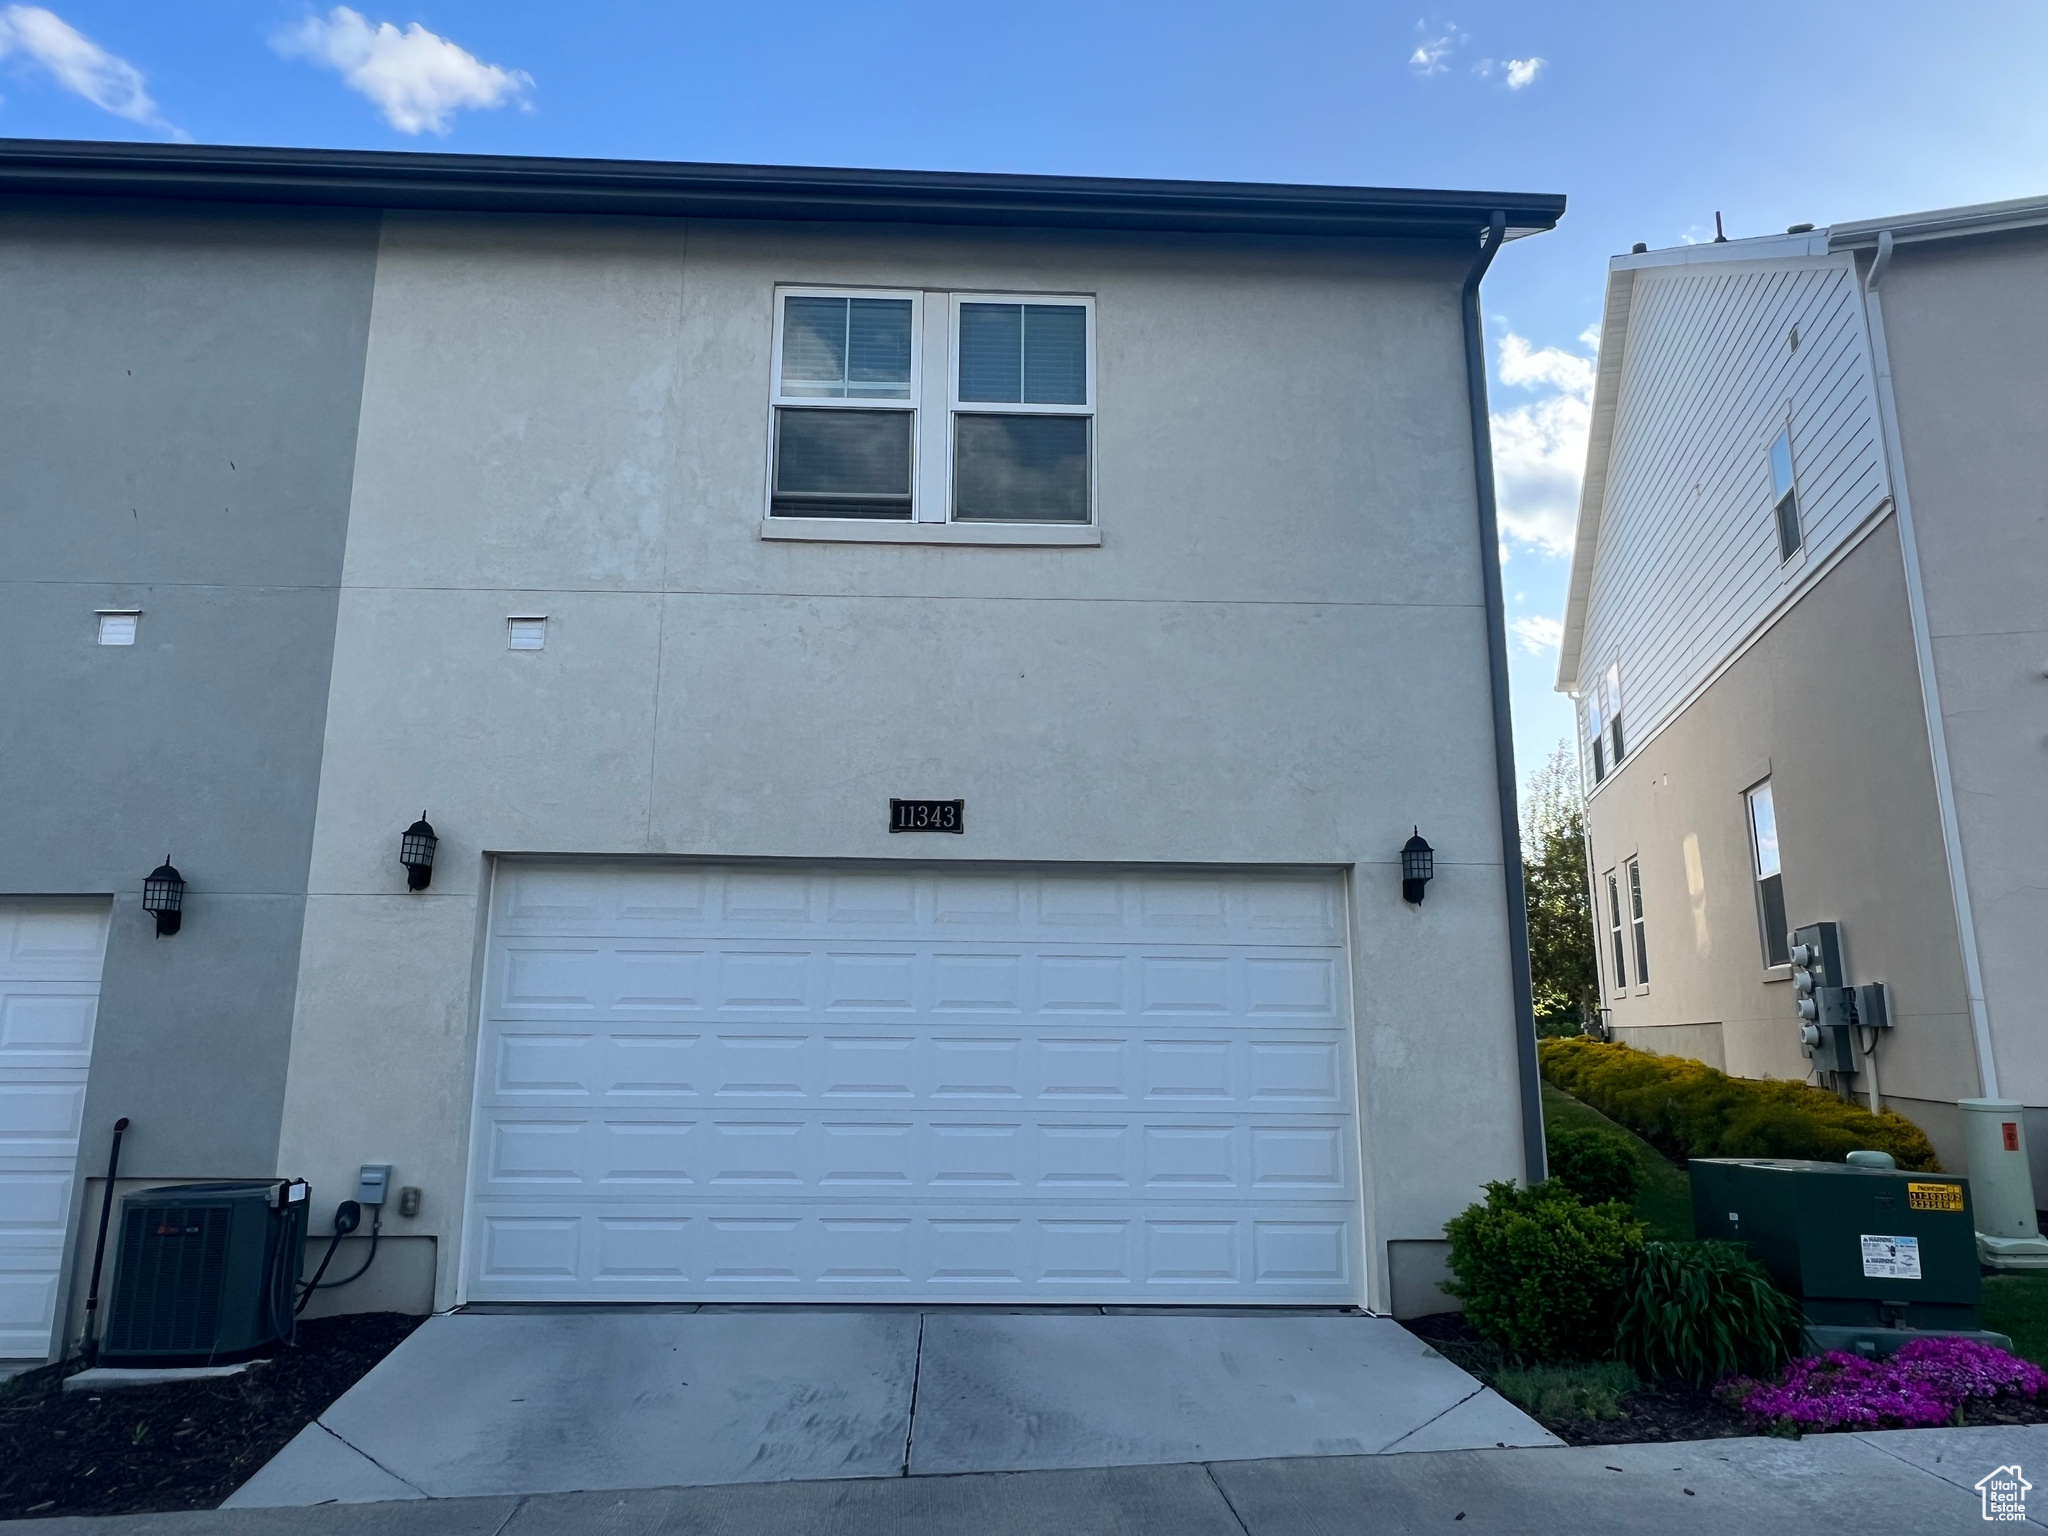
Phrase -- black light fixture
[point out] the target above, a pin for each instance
(1418, 864)
(163, 897)
(416, 853)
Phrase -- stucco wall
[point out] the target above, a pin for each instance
(1966, 326)
(177, 418)
(1276, 655)
(1826, 704)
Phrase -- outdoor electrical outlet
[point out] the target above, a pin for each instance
(409, 1200)
(373, 1183)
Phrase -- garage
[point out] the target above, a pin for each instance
(951, 1083)
(50, 956)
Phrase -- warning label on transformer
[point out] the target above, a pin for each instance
(1891, 1258)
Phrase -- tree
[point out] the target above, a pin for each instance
(1557, 887)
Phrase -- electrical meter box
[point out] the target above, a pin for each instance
(1861, 1248)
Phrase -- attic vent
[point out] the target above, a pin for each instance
(527, 632)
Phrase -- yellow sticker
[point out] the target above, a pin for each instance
(1934, 1197)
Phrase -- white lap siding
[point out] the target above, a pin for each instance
(1688, 564)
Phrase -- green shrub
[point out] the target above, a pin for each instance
(1541, 1273)
(1703, 1312)
(1567, 1391)
(1687, 1109)
(1597, 1166)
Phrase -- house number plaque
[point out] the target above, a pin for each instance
(927, 815)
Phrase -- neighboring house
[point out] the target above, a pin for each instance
(652, 527)
(1806, 639)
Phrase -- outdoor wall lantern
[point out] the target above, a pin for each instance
(1418, 864)
(163, 897)
(416, 853)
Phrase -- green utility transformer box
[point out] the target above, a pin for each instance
(1874, 1255)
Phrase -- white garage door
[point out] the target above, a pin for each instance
(50, 953)
(760, 1084)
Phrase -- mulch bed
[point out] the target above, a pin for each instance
(182, 1445)
(1649, 1414)
(1654, 1414)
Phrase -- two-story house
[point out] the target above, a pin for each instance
(921, 683)
(1806, 634)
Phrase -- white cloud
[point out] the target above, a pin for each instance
(1522, 72)
(1539, 445)
(1433, 46)
(1537, 633)
(1524, 365)
(417, 78)
(1429, 55)
(80, 65)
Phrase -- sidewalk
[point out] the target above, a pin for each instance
(1917, 1481)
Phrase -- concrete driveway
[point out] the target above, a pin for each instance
(558, 1400)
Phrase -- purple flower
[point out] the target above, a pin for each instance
(1923, 1385)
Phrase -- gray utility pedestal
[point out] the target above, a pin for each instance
(2002, 1185)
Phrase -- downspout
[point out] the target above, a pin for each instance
(1535, 1167)
(1923, 651)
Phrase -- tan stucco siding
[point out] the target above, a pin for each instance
(1275, 657)
(1967, 325)
(1826, 704)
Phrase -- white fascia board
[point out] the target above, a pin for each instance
(1942, 223)
(1621, 287)
(1812, 242)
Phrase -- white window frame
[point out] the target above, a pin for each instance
(1611, 721)
(1639, 929)
(1596, 737)
(934, 401)
(1784, 430)
(955, 406)
(1616, 940)
(1773, 969)
(912, 405)
(803, 291)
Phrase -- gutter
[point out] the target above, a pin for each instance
(676, 189)
(1535, 1165)
(1923, 651)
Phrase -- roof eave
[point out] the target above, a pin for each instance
(1942, 224)
(492, 183)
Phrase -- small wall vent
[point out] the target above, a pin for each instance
(117, 625)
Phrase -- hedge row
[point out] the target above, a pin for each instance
(1686, 1109)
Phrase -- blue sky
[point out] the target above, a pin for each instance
(1649, 117)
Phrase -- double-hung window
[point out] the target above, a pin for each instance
(1603, 722)
(1635, 922)
(915, 407)
(1023, 412)
(1612, 685)
(845, 405)
(1619, 979)
(1770, 881)
(1785, 496)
